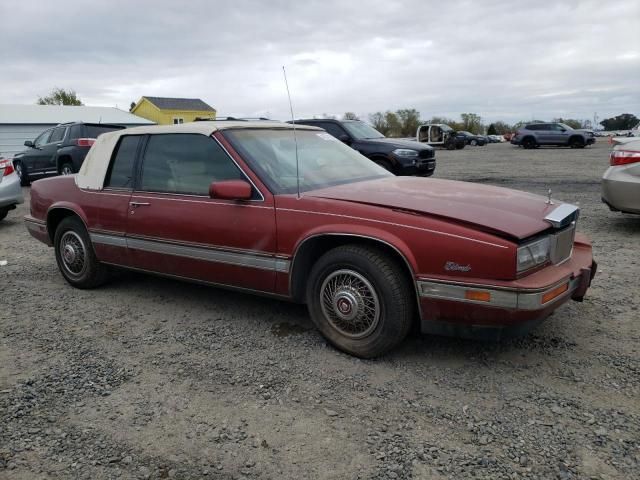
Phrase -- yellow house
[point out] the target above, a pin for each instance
(167, 111)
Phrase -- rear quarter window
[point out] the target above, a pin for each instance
(120, 173)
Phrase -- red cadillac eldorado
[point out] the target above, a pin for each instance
(264, 208)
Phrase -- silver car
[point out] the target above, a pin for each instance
(621, 181)
(10, 191)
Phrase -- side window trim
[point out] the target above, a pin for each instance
(142, 150)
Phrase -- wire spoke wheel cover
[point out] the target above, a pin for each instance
(73, 253)
(67, 170)
(350, 303)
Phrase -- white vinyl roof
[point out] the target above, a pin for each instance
(93, 170)
(54, 114)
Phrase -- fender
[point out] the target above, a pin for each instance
(362, 231)
(68, 206)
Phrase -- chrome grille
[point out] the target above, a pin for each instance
(562, 244)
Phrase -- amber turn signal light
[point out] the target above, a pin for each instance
(477, 295)
(547, 297)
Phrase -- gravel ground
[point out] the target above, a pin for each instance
(152, 378)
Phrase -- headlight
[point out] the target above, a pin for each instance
(405, 152)
(533, 254)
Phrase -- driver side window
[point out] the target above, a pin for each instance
(43, 139)
(185, 164)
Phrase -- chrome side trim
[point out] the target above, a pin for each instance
(500, 297)
(563, 215)
(394, 224)
(251, 260)
(111, 240)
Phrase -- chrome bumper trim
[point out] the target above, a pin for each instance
(500, 297)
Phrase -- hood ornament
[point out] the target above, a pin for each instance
(549, 201)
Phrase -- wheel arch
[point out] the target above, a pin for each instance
(313, 246)
(59, 212)
(63, 158)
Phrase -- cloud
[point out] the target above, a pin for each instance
(497, 59)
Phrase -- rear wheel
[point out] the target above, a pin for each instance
(361, 300)
(22, 173)
(66, 169)
(75, 256)
(3, 213)
(473, 142)
(529, 142)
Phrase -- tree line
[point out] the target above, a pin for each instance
(405, 122)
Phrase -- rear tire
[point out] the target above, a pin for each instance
(22, 174)
(473, 142)
(361, 300)
(67, 169)
(3, 213)
(75, 256)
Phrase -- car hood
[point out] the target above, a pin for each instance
(398, 143)
(503, 211)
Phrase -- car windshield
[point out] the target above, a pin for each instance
(565, 126)
(323, 161)
(445, 128)
(361, 131)
(464, 132)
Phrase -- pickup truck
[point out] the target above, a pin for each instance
(440, 135)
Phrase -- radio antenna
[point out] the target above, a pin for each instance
(295, 137)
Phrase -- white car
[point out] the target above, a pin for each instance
(10, 191)
(621, 181)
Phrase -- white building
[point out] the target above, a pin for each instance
(25, 122)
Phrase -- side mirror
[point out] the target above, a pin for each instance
(345, 139)
(28, 143)
(230, 190)
(563, 129)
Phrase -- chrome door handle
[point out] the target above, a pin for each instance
(139, 204)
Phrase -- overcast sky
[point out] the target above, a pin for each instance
(503, 60)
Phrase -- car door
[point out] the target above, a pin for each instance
(108, 209)
(32, 158)
(49, 151)
(174, 227)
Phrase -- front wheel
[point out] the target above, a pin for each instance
(529, 143)
(361, 300)
(75, 256)
(3, 213)
(473, 142)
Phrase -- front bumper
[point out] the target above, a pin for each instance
(424, 167)
(476, 309)
(10, 191)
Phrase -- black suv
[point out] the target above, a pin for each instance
(401, 157)
(59, 150)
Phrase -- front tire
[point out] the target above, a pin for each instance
(473, 142)
(361, 300)
(3, 213)
(529, 143)
(576, 142)
(75, 256)
(385, 164)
